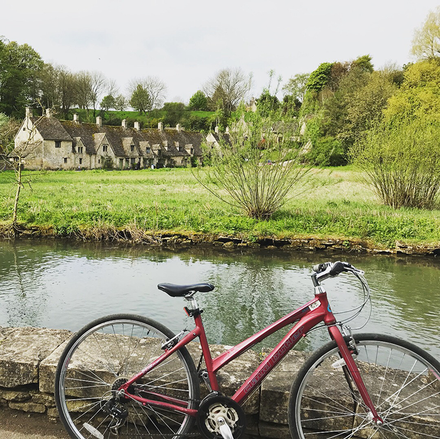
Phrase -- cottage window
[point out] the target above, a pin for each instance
(80, 149)
(148, 150)
(80, 161)
(57, 144)
(65, 159)
(132, 148)
(104, 148)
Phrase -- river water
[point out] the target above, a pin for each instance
(64, 285)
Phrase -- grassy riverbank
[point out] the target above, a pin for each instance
(336, 204)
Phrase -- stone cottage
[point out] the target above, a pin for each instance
(47, 143)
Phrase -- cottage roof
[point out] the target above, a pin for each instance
(51, 128)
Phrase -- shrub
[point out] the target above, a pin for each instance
(402, 161)
(254, 167)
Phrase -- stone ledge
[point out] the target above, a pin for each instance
(29, 357)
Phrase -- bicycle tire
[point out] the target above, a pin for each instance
(100, 357)
(403, 382)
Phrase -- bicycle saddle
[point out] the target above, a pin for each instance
(182, 290)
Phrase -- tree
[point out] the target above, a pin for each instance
(227, 89)
(198, 101)
(155, 88)
(297, 86)
(174, 112)
(19, 77)
(58, 88)
(120, 103)
(419, 94)
(426, 41)
(8, 129)
(140, 99)
(319, 78)
(267, 103)
(254, 167)
(108, 102)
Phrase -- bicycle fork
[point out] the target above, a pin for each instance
(354, 372)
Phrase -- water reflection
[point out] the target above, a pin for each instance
(65, 285)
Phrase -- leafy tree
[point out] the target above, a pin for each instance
(19, 75)
(198, 101)
(419, 95)
(401, 159)
(363, 63)
(140, 99)
(426, 41)
(255, 167)
(267, 103)
(155, 88)
(174, 112)
(120, 103)
(108, 102)
(319, 78)
(297, 86)
(351, 97)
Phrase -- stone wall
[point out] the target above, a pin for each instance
(29, 357)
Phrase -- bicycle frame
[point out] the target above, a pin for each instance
(304, 319)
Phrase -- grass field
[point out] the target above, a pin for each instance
(333, 204)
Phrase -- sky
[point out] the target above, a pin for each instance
(186, 43)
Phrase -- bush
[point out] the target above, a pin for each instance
(402, 162)
(255, 167)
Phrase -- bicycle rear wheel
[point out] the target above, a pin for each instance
(105, 354)
(403, 382)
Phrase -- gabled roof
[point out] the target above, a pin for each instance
(51, 128)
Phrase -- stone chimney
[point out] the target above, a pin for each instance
(76, 118)
(28, 112)
(216, 129)
(178, 128)
(124, 123)
(99, 121)
(48, 112)
(137, 126)
(160, 126)
(227, 130)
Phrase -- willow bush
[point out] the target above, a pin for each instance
(401, 160)
(255, 166)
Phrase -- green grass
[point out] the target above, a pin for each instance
(335, 204)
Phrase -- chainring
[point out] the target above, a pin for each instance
(216, 406)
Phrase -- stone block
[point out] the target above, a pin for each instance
(275, 390)
(49, 365)
(22, 350)
(28, 407)
(15, 395)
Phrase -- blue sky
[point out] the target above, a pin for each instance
(185, 43)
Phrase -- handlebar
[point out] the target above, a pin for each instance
(332, 269)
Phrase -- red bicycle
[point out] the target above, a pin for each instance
(129, 375)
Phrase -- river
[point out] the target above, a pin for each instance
(64, 285)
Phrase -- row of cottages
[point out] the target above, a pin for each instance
(47, 143)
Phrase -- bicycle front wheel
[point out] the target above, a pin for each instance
(402, 380)
(105, 354)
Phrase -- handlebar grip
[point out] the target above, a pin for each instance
(321, 267)
(338, 267)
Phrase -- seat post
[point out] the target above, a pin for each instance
(193, 306)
